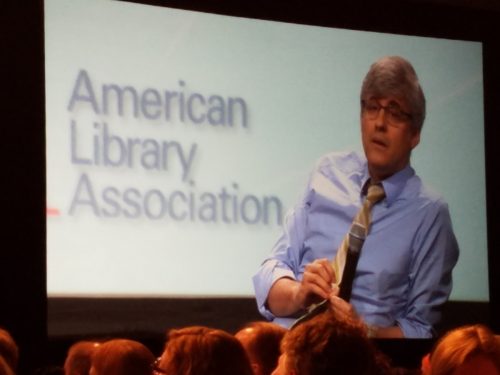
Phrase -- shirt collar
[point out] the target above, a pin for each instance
(393, 185)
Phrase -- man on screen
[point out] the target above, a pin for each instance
(403, 275)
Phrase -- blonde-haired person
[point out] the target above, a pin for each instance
(471, 349)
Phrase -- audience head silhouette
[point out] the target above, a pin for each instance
(327, 345)
(472, 349)
(203, 351)
(5, 369)
(122, 357)
(78, 359)
(261, 341)
(8, 349)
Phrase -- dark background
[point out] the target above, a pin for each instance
(23, 301)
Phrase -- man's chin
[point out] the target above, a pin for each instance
(379, 168)
(377, 159)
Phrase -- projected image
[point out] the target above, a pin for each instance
(177, 141)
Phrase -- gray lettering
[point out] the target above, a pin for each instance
(192, 117)
(120, 95)
(242, 105)
(74, 153)
(151, 104)
(83, 82)
(84, 195)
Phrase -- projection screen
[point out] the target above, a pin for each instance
(178, 140)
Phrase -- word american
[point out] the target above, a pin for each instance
(153, 104)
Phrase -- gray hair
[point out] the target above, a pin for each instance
(395, 76)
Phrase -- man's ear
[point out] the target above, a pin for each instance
(415, 139)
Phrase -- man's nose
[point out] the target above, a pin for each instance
(381, 119)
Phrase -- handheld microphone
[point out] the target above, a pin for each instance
(311, 313)
(357, 235)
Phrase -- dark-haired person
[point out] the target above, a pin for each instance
(404, 273)
(261, 341)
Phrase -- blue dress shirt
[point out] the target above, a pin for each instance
(404, 271)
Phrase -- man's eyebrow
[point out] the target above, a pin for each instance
(394, 103)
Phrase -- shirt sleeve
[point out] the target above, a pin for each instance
(285, 257)
(430, 278)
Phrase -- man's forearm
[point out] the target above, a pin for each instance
(283, 297)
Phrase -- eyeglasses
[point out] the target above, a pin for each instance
(156, 369)
(393, 112)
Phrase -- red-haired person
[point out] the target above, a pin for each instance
(328, 345)
(9, 351)
(261, 341)
(122, 356)
(472, 349)
(201, 350)
(78, 359)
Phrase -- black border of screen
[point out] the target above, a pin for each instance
(23, 255)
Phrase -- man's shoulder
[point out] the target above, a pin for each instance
(427, 197)
(337, 175)
(345, 162)
(426, 192)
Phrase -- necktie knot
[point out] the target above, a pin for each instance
(375, 193)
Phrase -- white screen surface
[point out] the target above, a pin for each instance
(179, 187)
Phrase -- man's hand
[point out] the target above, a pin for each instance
(341, 308)
(316, 284)
(288, 296)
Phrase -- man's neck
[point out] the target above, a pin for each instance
(379, 176)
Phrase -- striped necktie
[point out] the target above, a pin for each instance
(362, 220)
